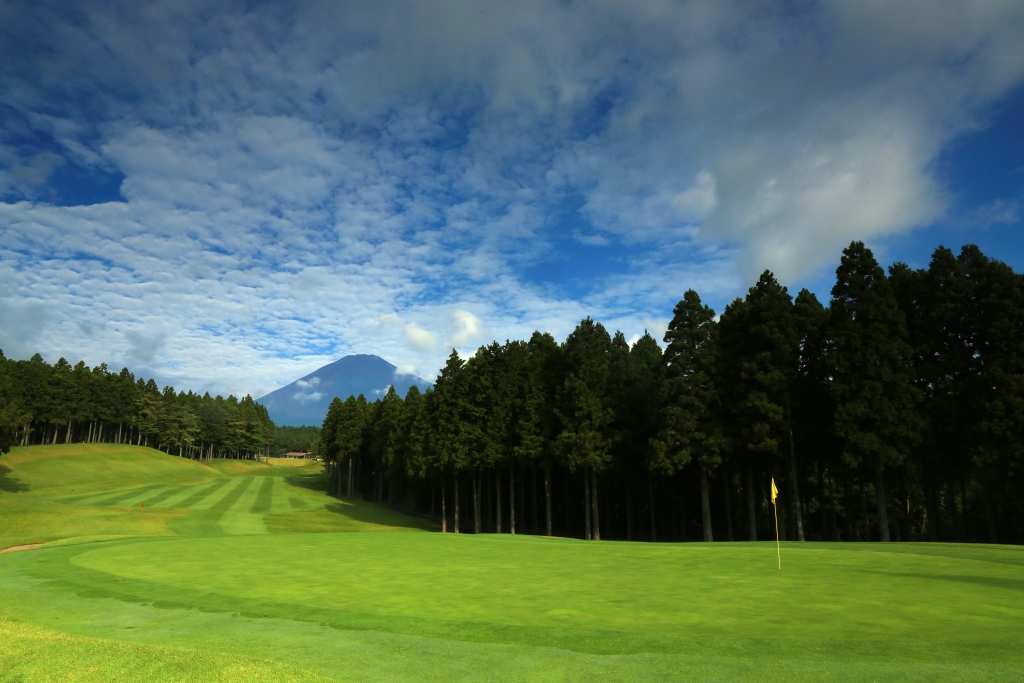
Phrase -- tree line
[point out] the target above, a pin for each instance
(50, 404)
(288, 439)
(893, 412)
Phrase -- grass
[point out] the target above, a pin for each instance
(88, 492)
(236, 586)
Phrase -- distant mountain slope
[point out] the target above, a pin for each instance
(305, 400)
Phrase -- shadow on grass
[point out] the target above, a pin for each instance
(375, 514)
(9, 484)
(990, 581)
(312, 482)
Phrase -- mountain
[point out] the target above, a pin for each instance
(305, 400)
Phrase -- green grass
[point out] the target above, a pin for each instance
(86, 492)
(238, 588)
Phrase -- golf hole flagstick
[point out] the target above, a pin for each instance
(778, 548)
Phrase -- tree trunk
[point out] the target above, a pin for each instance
(476, 502)
(547, 498)
(954, 514)
(986, 501)
(823, 500)
(533, 508)
(456, 502)
(728, 504)
(594, 508)
(119, 427)
(680, 519)
(864, 511)
(586, 502)
(931, 510)
(497, 497)
(705, 504)
(521, 499)
(67, 436)
(883, 515)
(629, 514)
(349, 482)
(794, 488)
(511, 499)
(444, 510)
(567, 503)
(751, 510)
(963, 506)
(487, 502)
(795, 506)
(650, 504)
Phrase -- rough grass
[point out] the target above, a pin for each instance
(213, 604)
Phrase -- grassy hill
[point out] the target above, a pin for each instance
(220, 578)
(88, 492)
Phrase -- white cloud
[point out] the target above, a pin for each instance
(592, 240)
(466, 328)
(419, 338)
(698, 200)
(306, 181)
(404, 370)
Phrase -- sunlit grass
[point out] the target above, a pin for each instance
(234, 570)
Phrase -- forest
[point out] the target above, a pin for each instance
(49, 404)
(893, 411)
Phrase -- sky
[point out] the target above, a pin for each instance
(226, 196)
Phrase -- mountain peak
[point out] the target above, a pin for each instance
(305, 400)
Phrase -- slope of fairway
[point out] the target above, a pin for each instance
(87, 492)
(65, 469)
(441, 607)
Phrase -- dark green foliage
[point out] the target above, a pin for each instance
(584, 406)
(64, 404)
(873, 384)
(690, 428)
(302, 439)
(9, 417)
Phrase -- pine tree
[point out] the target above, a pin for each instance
(691, 427)
(585, 439)
(876, 398)
(9, 413)
(538, 424)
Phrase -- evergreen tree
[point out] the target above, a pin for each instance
(9, 414)
(813, 403)
(538, 423)
(691, 428)
(585, 440)
(453, 424)
(875, 395)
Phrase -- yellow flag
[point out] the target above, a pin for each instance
(775, 491)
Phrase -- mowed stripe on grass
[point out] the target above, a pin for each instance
(265, 498)
(113, 499)
(225, 506)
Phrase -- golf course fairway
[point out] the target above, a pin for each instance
(246, 571)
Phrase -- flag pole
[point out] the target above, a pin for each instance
(778, 548)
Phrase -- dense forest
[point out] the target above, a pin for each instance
(47, 404)
(896, 411)
(302, 439)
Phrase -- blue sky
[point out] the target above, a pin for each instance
(228, 196)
